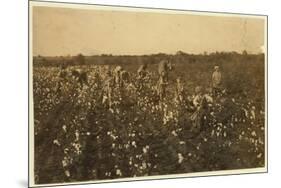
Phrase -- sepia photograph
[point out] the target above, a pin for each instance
(126, 93)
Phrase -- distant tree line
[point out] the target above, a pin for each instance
(179, 57)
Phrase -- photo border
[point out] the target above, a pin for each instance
(261, 170)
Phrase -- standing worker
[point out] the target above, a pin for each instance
(108, 89)
(61, 78)
(163, 78)
(216, 81)
(142, 71)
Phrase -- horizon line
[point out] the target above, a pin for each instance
(151, 54)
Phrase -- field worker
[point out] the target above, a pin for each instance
(163, 70)
(117, 75)
(142, 71)
(179, 89)
(61, 77)
(80, 76)
(161, 88)
(216, 80)
(197, 103)
(208, 96)
(125, 77)
(198, 97)
(108, 89)
(170, 66)
(62, 72)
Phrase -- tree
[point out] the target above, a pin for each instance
(245, 52)
(80, 59)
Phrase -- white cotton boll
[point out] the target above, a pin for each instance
(182, 142)
(67, 173)
(113, 137)
(213, 133)
(113, 145)
(180, 158)
(64, 162)
(88, 133)
(174, 133)
(118, 172)
(64, 128)
(170, 115)
(56, 142)
(134, 144)
(144, 166)
(253, 133)
(65, 151)
(253, 115)
(77, 135)
(144, 150)
(111, 110)
(260, 141)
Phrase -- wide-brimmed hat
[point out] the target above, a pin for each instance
(216, 67)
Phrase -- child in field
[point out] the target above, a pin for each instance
(162, 87)
(179, 90)
(61, 77)
(198, 97)
(108, 89)
(142, 71)
(196, 103)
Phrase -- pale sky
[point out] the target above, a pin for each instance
(68, 31)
